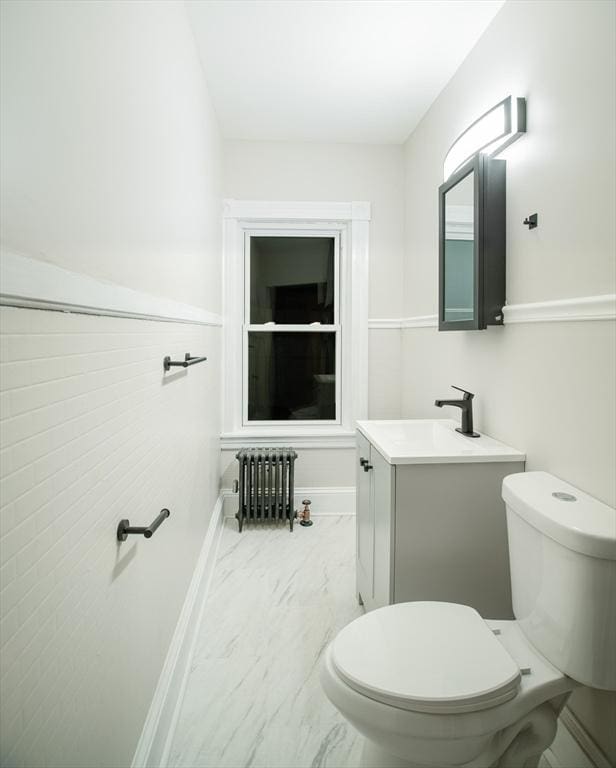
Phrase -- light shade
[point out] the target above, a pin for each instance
(490, 133)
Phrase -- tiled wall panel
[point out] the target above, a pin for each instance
(92, 432)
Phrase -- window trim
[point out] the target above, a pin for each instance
(351, 222)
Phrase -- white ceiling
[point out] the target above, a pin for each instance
(332, 70)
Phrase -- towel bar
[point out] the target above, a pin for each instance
(125, 528)
(188, 360)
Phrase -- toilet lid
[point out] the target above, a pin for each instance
(427, 657)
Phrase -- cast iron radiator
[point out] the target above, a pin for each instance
(265, 485)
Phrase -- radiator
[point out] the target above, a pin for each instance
(265, 485)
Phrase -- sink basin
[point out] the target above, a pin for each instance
(433, 441)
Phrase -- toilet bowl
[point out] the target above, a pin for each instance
(434, 684)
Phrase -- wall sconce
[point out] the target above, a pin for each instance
(489, 134)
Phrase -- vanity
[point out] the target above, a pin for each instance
(431, 522)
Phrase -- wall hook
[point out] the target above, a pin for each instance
(531, 221)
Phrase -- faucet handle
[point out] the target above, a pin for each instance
(467, 395)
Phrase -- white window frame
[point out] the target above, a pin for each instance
(349, 224)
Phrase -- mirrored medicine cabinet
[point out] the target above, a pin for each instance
(472, 246)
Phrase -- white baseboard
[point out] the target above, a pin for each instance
(325, 501)
(159, 728)
(573, 747)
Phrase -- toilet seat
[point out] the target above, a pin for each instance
(432, 657)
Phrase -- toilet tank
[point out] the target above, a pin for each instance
(562, 550)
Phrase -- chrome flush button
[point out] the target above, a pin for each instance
(562, 496)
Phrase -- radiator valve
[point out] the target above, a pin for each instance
(304, 515)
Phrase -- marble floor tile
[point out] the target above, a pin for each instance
(253, 698)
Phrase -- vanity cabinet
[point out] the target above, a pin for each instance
(432, 531)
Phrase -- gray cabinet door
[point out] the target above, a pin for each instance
(383, 495)
(365, 523)
(451, 536)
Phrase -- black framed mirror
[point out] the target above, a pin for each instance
(472, 246)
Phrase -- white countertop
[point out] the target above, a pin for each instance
(433, 441)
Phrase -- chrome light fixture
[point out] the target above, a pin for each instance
(490, 134)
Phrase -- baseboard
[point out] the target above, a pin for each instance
(159, 728)
(325, 501)
(573, 746)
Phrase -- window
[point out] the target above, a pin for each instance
(296, 323)
(291, 328)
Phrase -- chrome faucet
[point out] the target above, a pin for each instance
(466, 405)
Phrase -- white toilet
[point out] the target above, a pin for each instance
(434, 684)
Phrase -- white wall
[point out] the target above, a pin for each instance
(547, 389)
(110, 147)
(110, 167)
(261, 170)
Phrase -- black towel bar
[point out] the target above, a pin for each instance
(188, 360)
(125, 528)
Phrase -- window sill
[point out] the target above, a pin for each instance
(304, 437)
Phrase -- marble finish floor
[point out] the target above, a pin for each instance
(253, 698)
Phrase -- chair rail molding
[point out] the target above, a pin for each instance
(601, 307)
(421, 321)
(581, 308)
(34, 284)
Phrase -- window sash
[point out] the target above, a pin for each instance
(246, 422)
(335, 236)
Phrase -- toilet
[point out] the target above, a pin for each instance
(435, 684)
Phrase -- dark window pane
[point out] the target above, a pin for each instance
(291, 376)
(292, 280)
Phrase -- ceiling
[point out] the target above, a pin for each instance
(331, 70)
